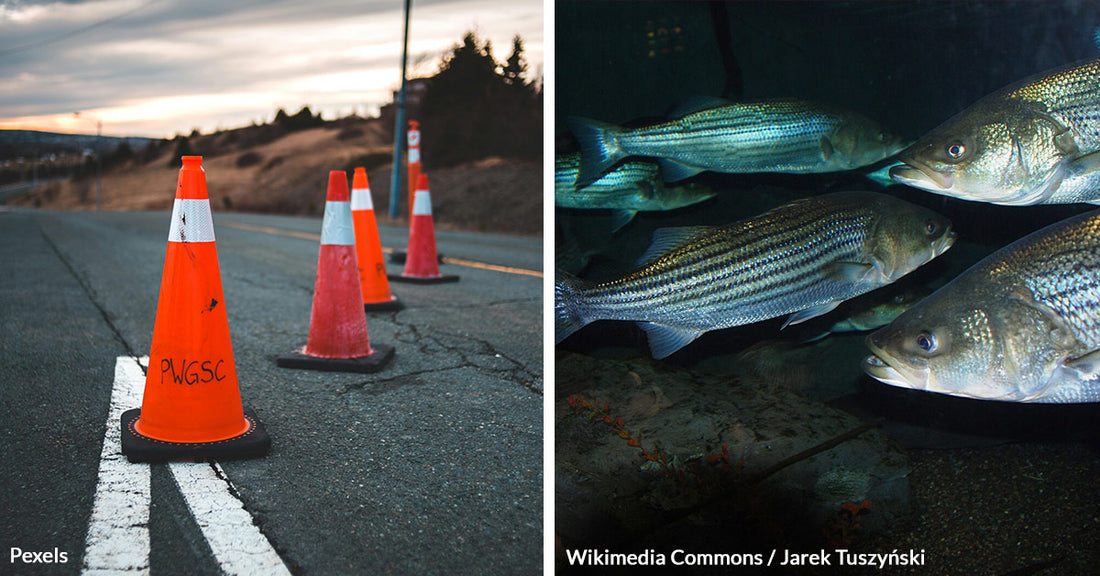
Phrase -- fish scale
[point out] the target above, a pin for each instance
(785, 135)
(701, 268)
(1022, 325)
(1070, 94)
(1034, 142)
(790, 260)
(1063, 272)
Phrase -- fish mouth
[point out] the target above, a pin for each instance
(912, 173)
(943, 243)
(878, 366)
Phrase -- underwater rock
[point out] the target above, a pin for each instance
(652, 452)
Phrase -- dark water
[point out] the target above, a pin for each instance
(909, 65)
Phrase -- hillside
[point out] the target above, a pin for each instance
(14, 143)
(247, 170)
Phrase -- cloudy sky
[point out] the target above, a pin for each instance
(161, 67)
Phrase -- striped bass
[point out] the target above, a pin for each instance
(1037, 142)
(791, 136)
(632, 187)
(1022, 325)
(801, 259)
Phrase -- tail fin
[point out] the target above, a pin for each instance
(567, 318)
(599, 145)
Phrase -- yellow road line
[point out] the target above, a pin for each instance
(446, 259)
(493, 267)
(276, 231)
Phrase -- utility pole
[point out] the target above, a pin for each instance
(399, 125)
(98, 162)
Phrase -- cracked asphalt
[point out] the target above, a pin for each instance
(431, 466)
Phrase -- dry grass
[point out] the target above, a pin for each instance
(290, 175)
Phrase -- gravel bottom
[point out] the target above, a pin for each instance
(1007, 510)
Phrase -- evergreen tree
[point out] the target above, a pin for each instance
(516, 65)
(475, 108)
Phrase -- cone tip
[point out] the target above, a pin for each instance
(422, 182)
(359, 180)
(338, 186)
(414, 125)
(191, 184)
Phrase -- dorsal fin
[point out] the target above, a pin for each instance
(697, 104)
(665, 239)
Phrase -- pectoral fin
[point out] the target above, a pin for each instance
(673, 171)
(620, 218)
(665, 340)
(827, 149)
(1083, 165)
(1078, 180)
(808, 313)
(1087, 367)
(1077, 381)
(848, 271)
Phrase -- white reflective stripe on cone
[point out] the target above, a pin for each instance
(360, 199)
(191, 221)
(336, 229)
(414, 155)
(422, 204)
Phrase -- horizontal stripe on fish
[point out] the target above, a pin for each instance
(800, 259)
(771, 136)
(770, 272)
(1021, 325)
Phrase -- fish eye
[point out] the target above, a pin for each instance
(930, 227)
(956, 150)
(926, 341)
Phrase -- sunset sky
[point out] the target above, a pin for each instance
(163, 67)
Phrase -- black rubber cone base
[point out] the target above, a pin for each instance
(253, 443)
(372, 363)
(397, 257)
(393, 304)
(423, 279)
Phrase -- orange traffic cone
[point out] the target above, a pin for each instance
(368, 248)
(422, 261)
(192, 404)
(338, 338)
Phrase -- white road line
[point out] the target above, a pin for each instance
(118, 532)
(234, 538)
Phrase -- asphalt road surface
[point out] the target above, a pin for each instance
(431, 466)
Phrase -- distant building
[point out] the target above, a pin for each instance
(415, 89)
